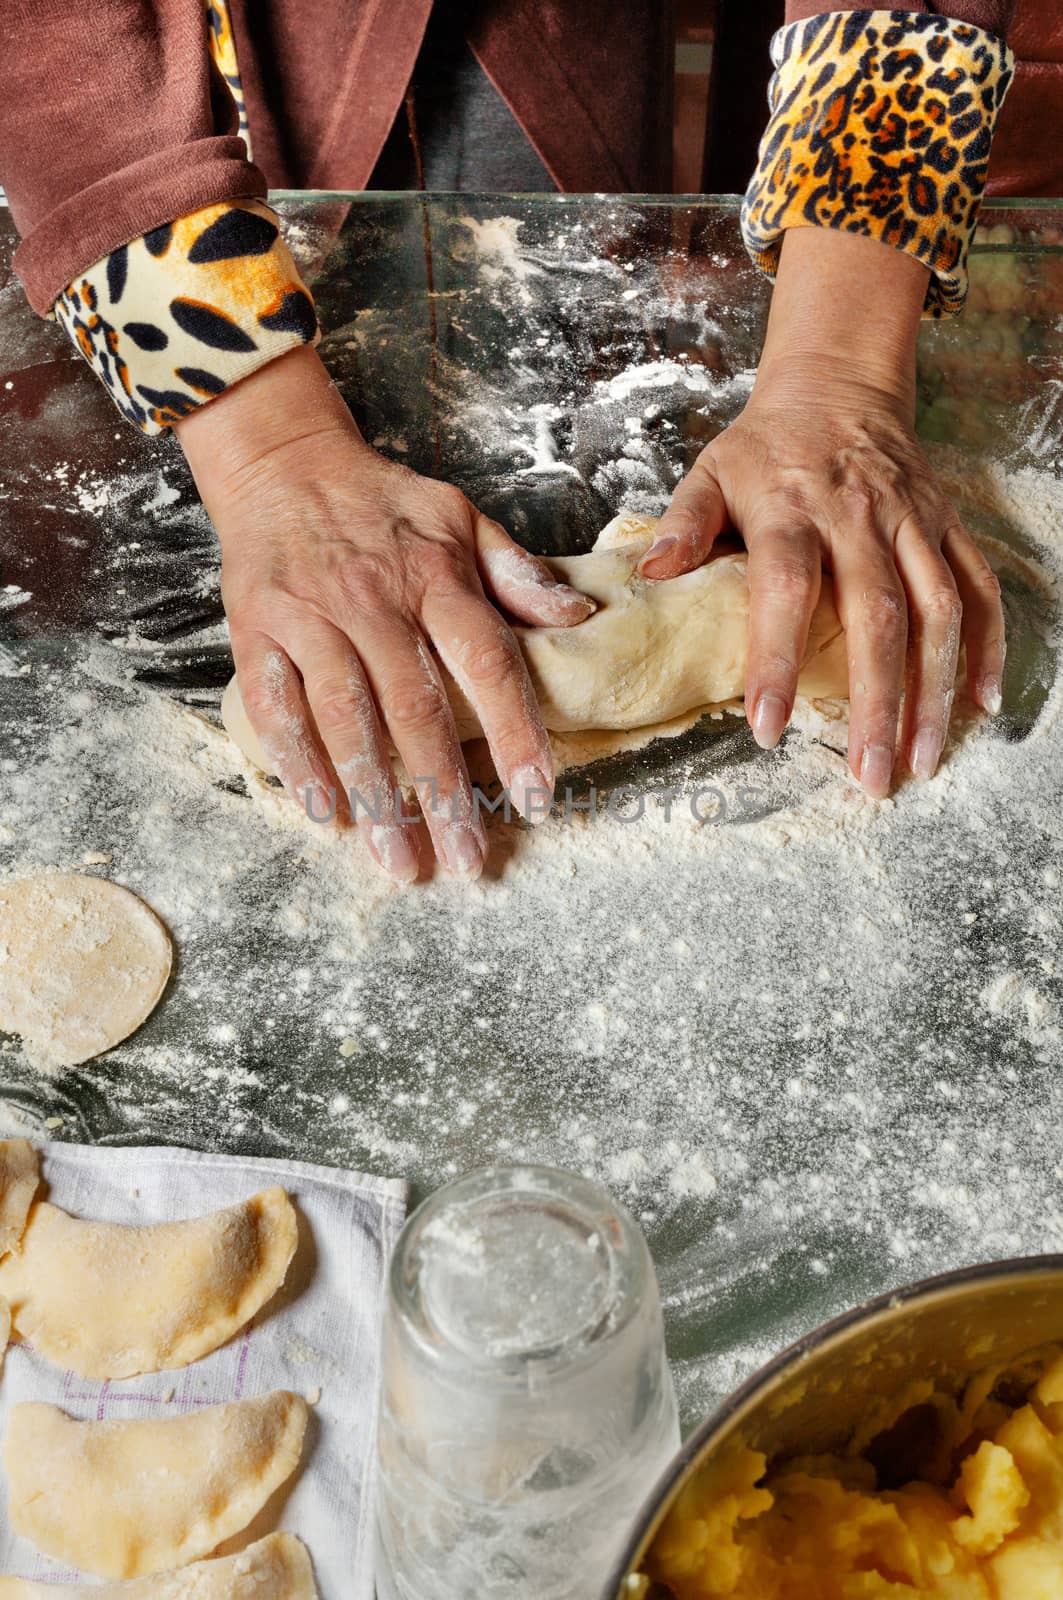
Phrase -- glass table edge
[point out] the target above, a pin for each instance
(727, 205)
(729, 202)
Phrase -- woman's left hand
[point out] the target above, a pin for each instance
(822, 469)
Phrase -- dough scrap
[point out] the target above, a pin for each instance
(20, 1174)
(108, 1301)
(128, 1499)
(651, 651)
(82, 963)
(276, 1568)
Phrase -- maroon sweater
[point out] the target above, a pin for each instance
(113, 119)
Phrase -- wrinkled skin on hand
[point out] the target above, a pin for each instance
(345, 577)
(822, 470)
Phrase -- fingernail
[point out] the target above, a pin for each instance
(660, 548)
(926, 752)
(573, 597)
(876, 770)
(395, 851)
(989, 694)
(531, 794)
(769, 720)
(463, 852)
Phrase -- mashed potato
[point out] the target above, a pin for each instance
(982, 1521)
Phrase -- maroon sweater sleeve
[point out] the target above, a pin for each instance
(992, 15)
(113, 121)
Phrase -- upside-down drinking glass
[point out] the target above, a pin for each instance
(527, 1405)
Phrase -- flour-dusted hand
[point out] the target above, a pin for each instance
(822, 468)
(345, 577)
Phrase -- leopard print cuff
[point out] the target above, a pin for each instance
(222, 45)
(881, 124)
(173, 319)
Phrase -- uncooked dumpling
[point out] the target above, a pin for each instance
(19, 1176)
(82, 963)
(276, 1568)
(126, 1499)
(108, 1301)
(650, 652)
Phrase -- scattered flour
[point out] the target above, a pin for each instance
(811, 1039)
(661, 374)
(165, 495)
(496, 242)
(818, 1053)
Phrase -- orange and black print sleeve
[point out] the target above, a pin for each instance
(881, 124)
(172, 319)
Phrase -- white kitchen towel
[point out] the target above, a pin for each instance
(322, 1332)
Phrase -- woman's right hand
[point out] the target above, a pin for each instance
(344, 577)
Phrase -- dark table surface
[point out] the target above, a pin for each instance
(817, 1048)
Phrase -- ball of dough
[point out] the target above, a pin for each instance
(82, 963)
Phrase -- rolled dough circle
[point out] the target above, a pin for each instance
(82, 963)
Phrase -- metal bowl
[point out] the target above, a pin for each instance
(814, 1395)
